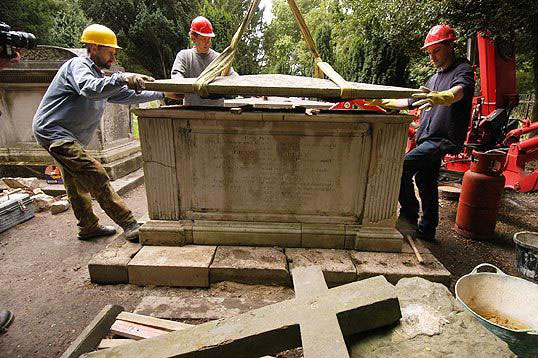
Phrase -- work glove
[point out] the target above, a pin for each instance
(429, 98)
(385, 103)
(136, 81)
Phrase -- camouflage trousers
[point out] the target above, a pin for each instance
(83, 178)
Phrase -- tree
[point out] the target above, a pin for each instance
(69, 22)
(509, 19)
(35, 16)
(150, 31)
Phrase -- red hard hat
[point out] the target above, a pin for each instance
(438, 34)
(202, 26)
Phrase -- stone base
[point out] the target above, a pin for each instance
(240, 233)
(31, 162)
(200, 265)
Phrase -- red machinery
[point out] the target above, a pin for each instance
(490, 127)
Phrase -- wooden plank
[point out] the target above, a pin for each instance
(280, 85)
(152, 321)
(90, 337)
(134, 330)
(109, 343)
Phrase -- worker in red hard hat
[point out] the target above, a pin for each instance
(190, 63)
(446, 104)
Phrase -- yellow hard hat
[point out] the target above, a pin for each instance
(99, 35)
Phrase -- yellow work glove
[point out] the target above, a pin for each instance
(429, 98)
(386, 103)
(136, 81)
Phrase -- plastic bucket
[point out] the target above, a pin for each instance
(505, 305)
(527, 254)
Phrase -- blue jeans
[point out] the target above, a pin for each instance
(423, 163)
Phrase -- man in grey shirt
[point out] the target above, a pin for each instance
(190, 63)
(67, 118)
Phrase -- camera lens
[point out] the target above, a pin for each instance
(22, 39)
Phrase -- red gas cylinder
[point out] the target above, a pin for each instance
(481, 193)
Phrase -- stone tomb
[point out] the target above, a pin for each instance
(317, 319)
(288, 178)
(22, 87)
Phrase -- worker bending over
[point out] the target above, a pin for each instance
(190, 63)
(446, 104)
(67, 118)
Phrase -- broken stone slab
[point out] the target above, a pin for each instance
(358, 306)
(59, 206)
(422, 249)
(206, 308)
(337, 266)
(23, 183)
(396, 266)
(109, 266)
(186, 266)
(43, 202)
(250, 265)
(433, 324)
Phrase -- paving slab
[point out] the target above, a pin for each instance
(186, 266)
(250, 265)
(395, 266)
(109, 266)
(358, 306)
(206, 308)
(337, 266)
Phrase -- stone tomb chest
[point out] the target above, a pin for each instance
(266, 177)
(22, 87)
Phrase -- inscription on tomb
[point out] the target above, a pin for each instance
(303, 174)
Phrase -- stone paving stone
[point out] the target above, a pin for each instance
(395, 266)
(358, 306)
(250, 265)
(186, 266)
(207, 308)
(336, 265)
(109, 266)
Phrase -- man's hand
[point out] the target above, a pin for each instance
(429, 98)
(176, 96)
(6, 62)
(385, 103)
(136, 81)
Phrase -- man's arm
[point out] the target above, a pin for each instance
(179, 68)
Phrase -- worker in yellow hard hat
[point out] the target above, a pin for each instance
(446, 103)
(67, 118)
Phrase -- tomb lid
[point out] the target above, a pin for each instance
(40, 64)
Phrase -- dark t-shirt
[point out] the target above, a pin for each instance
(447, 125)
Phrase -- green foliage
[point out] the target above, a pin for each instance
(35, 16)
(226, 17)
(69, 22)
(150, 31)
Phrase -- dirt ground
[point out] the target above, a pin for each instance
(44, 278)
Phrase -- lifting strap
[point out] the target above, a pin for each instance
(223, 63)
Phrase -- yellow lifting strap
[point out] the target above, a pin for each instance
(222, 64)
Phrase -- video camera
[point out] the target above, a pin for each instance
(14, 39)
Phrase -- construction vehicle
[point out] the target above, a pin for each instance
(490, 128)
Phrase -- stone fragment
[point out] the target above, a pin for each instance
(42, 202)
(206, 308)
(109, 266)
(59, 206)
(250, 265)
(23, 183)
(396, 266)
(172, 266)
(337, 266)
(432, 325)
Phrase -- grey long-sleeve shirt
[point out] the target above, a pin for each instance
(75, 101)
(190, 64)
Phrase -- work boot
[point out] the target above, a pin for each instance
(405, 225)
(100, 230)
(131, 231)
(426, 234)
(6, 317)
